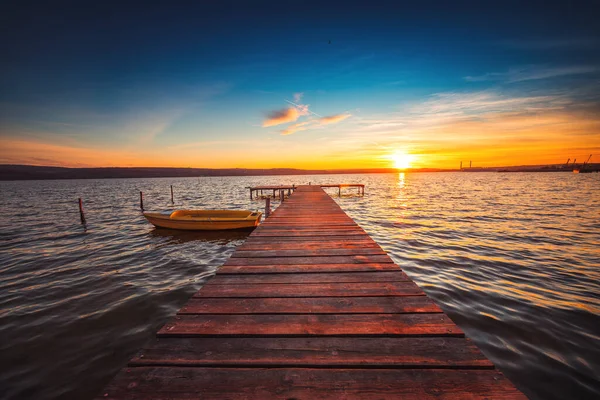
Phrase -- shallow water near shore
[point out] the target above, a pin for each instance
(512, 258)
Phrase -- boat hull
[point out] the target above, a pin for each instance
(204, 223)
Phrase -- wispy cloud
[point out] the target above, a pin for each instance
(314, 123)
(334, 119)
(496, 127)
(279, 117)
(532, 73)
(292, 114)
(301, 126)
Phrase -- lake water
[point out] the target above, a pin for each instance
(513, 259)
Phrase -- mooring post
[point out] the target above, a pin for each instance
(340, 191)
(250, 193)
(267, 207)
(172, 194)
(81, 214)
(141, 201)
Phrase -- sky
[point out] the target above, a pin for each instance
(299, 84)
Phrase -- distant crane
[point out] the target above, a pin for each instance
(583, 169)
(567, 164)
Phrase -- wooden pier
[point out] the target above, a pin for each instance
(310, 307)
(257, 191)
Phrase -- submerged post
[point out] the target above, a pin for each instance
(81, 214)
(267, 207)
(172, 194)
(141, 201)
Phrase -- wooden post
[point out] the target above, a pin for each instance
(250, 193)
(340, 191)
(172, 194)
(141, 201)
(81, 214)
(282, 195)
(267, 207)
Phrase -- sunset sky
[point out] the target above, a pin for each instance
(300, 84)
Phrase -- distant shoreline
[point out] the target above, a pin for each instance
(32, 172)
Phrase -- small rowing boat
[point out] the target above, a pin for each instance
(205, 220)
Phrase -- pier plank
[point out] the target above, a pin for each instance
(342, 277)
(418, 324)
(162, 383)
(357, 259)
(315, 268)
(308, 252)
(364, 289)
(311, 305)
(405, 352)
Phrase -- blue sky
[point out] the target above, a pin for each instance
(197, 85)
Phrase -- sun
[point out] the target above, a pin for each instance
(401, 160)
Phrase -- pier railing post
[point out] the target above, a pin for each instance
(267, 207)
(81, 214)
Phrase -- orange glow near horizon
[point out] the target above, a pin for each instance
(491, 140)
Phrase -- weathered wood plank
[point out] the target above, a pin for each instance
(368, 259)
(344, 277)
(309, 227)
(311, 305)
(315, 268)
(405, 352)
(300, 239)
(307, 252)
(253, 245)
(313, 233)
(311, 325)
(159, 383)
(363, 289)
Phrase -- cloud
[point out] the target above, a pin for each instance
(301, 126)
(334, 119)
(532, 73)
(314, 123)
(492, 127)
(284, 116)
(292, 114)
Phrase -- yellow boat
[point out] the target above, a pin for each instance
(205, 220)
